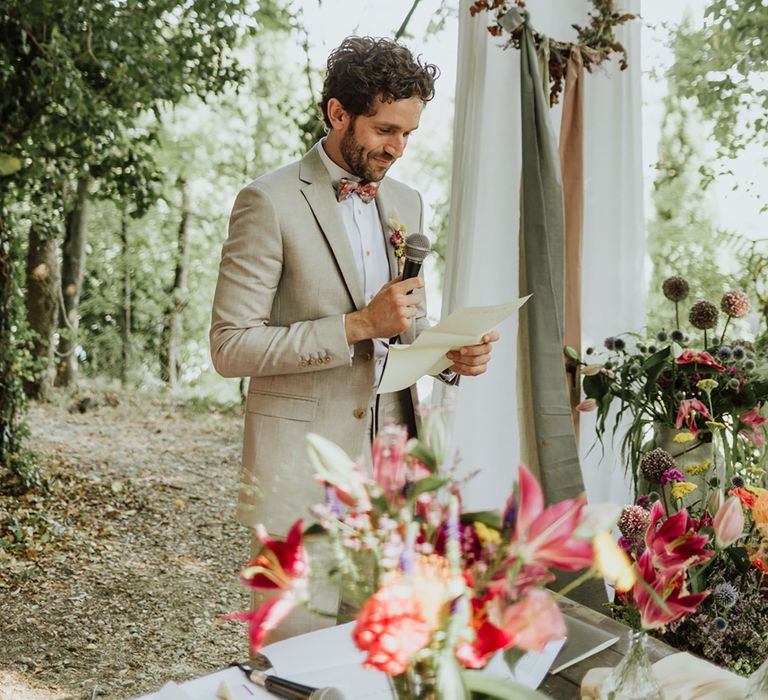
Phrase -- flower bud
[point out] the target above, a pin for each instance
(729, 522)
(587, 405)
(715, 501)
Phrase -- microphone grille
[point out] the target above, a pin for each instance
(327, 694)
(416, 246)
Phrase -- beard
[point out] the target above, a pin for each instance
(359, 160)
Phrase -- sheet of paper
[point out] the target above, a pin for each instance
(406, 364)
(582, 641)
(530, 669)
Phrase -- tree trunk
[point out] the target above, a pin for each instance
(170, 347)
(43, 289)
(72, 270)
(13, 401)
(125, 312)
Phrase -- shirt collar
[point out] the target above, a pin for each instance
(335, 171)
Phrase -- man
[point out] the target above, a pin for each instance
(308, 290)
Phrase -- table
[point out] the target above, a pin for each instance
(566, 685)
(562, 686)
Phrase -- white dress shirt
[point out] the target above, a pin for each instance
(369, 246)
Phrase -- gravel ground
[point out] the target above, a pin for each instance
(110, 582)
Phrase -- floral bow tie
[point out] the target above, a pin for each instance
(364, 189)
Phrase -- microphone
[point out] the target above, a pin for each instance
(416, 249)
(284, 688)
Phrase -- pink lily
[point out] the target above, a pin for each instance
(544, 537)
(687, 411)
(587, 405)
(753, 420)
(729, 522)
(675, 544)
(698, 357)
(528, 625)
(282, 565)
(264, 619)
(668, 585)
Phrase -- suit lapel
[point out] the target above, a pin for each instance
(386, 209)
(319, 195)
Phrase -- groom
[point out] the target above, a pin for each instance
(308, 289)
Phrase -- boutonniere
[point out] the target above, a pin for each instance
(396, 237)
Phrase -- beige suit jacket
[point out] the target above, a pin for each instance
(287, 276)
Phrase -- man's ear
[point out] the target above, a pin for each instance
(337, 115)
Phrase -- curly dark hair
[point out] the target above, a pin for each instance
(362, 68)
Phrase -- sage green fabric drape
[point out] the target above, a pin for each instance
(543, 251)
(542, 255)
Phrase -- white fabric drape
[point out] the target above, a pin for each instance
(482, 251)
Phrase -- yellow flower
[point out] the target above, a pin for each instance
(715, 424)
(612, 562)
(487, 535)
(697, 469)
(682, 438)
(707, 384)
(682, 488)
(755, 471)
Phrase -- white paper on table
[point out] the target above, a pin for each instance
(406, 364)
(531, 667)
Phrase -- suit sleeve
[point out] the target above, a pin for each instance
(243, 344)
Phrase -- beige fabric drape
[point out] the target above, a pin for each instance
(572, 168)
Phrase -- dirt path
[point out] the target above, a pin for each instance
(109, 584)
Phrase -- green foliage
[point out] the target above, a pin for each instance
(682, 235)
(721, 66)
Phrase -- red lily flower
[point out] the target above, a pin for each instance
(264, 619)
(675, 544)
(753, 420)
(528, 624)
(698, 357)
(279, 565)
(544, 537)
(687, 411)
(668, 585)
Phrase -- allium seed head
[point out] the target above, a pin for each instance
(735, 304)
(675, 288)
(655, 463)
(703, 315)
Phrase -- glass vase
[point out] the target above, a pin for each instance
(429, 679)
(757, 684)
(633, 678)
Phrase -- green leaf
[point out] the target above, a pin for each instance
(9, 164)
(428, 483)
(423, 453)
(489, 518)
(314, 530)
(572, 353)
(482, 684)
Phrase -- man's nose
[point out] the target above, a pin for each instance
(395, 145)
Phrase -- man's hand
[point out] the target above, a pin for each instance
(389, 313)
(472, 360)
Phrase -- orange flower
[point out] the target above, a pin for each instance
(760, 510)
(747, 499)
(391, 628)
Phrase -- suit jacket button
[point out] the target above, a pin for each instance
(359, 413)
(367, 357)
